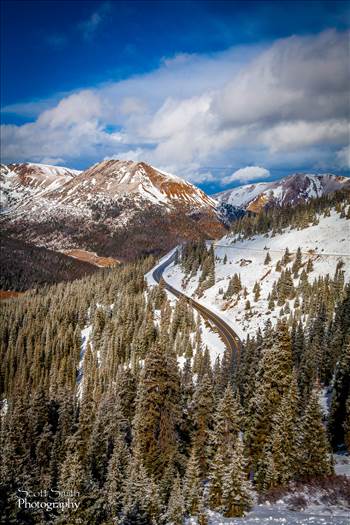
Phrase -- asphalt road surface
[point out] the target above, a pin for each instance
(228, 335)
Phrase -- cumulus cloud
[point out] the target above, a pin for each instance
(247, 174)
(282, 104)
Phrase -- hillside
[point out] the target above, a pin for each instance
(24, 266)
(325, 244)
(290, 190)
(20, 183)
(114, 208)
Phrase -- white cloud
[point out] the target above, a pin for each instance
(283, 104)
(247, 174)
(74, 109)
(298, 134)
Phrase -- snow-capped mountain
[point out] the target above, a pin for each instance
(18, 182)
(116, 208)
(115, 179)
(289, 190)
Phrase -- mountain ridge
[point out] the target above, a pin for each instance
(116, 208)
(291, 189)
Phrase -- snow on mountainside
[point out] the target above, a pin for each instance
(113, 208)
(114, 179)
(289, 190)
(22, 181)
(325, 244)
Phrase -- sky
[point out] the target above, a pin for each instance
(220, 93)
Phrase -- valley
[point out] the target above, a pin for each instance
(181, 371)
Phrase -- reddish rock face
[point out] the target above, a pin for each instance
(287, 191)
(119, 209)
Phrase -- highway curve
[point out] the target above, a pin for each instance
(228, 335)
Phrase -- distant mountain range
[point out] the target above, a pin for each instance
(125, 209)
(287, 191)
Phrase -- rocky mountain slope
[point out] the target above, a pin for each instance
(20, 183)
(115, 208)
(289, 190)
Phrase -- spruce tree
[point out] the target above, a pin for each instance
(267, 258)
(271, 383)
(283, 445)
(176, 505)
(236, 498)
(340, 395)
(217, 471)
(203, 406)
(157, 411)
(314, 450)
(117, 471)
(192, 482)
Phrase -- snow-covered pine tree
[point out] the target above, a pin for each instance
(272, 381)
(314, 450)
(236, 497)
(176, 505)
(203, 407)
(283, 445)
(157, 411)
(341, 393)
(267, 258)
(217, 471)
(193, 487)
(117, 471)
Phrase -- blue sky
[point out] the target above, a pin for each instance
(202, 89)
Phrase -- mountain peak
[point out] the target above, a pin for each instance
(291, 189)
(114, 179)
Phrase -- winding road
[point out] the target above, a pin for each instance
(227, 334)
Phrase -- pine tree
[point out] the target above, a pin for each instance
(314, 458)
(283, 446)
(176, 505)
(297, 262)
(157, 411)
(256, 291)
(309, 266)
(236, 498)
(340, 395)
(227, 421)
(117, 470)
(216, 475)
(267, 258)
(271, 383)
(203, 406)
(192, 482)
(140, 491)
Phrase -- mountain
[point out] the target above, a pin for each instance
(20, 182)
(115, 208)
(293, 189)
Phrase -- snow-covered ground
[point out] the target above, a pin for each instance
(280, 515)
(210, 337)
(318, 510)
(342, 465)
(325, 244)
